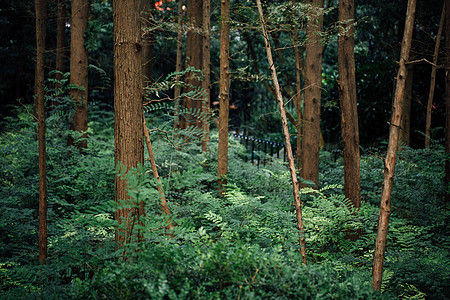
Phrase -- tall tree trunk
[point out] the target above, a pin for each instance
(433, 79)
(347, 92)
(41, 16)
(313, 85)
(178, 65)
(128, 111)
(79, 67)
(405, 130)
(224, 95)
(60, 43)
(389, 162)
(194, 49)
(148, 41)
(206, 72)
(287, 138)
(447, 101)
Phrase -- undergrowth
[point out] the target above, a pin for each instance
(240, 246)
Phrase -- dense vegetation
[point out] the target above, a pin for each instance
(244, 245)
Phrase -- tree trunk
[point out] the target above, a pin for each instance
(128, 111)
(60, 44)
(347, 93)
(447, 101)
(79, 68)
(433, 79)
(148, 41)
(178, 66)
(389, 163)
(313, 85)
(298, 95)
(287, 138)
(194, 58)
(405, 130)
(206, 72)
(224, 86)
(41, 16)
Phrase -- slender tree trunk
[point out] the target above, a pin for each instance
(194, 58)
(79, 67)
(224, 95)
(206, 72)
(60, 43)
(433, 79)
(405, 130)
(287, 138)
(347, 92)
(178, 66)
(389, 163)
(41, 16)
(128, 111)
(313, 85)
(447, 100)
(148, 41)
(164, 206)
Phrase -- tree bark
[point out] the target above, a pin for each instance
(389, 163)
(287, 139)
(79, 68)
(41, 16)
(206, 72)
(313, 85)
(347, 93)
(178, 65)
(447, 101)
(194, 49)
(128, 111)
(60, 44)
(433, 80)
(148, 41)
(224, 86)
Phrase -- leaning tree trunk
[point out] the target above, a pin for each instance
(287, 138)
(224, 86)
(60, 44)
(433, 80)
(347, 92)
(389, 162)
(41, 15)
(128, 111)
(206, 72)
(313, 85)
(79, 67)
(447, 101)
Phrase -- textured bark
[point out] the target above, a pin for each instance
(389, 163)
(347, 93)
(178, 66)
(60, 42)
(41, 15)
(287, 139)
(433, 79)
(206, 72)
(313, 85)
(151, 156)
(79, 67)
(447, 100)
(148, 41)
(405, 130)
(224, 95)
(128, 111)
(194, 58)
